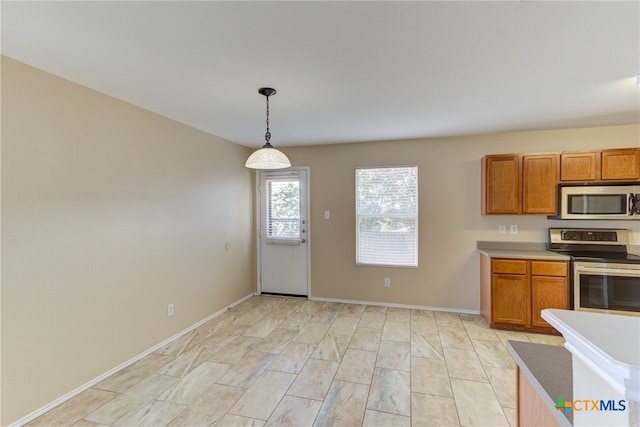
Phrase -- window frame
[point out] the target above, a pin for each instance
(414, 216)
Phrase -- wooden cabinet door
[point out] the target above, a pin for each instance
(501, 184)
(510, 299)
(621, 164)
(547, 292)
(584, 166)
(539, 184)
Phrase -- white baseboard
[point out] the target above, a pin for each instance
(387, 304)
(46, 408)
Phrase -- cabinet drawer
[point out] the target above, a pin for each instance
(549, 268)
(510, 266)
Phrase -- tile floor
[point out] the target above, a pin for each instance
(276, 361)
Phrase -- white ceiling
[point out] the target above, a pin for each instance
(345, 71)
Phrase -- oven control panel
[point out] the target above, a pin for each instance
(589, 236)
(600, 236)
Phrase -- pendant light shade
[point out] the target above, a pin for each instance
(267, 157)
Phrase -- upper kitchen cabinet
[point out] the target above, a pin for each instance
(583, 166)
(622, 164)
(519, 184)
(501, 185)
(539, 182)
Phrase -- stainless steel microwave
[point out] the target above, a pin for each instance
(600, 202)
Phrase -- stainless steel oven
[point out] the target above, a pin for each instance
(609, 287)
(604, 274)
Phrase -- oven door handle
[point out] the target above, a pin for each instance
(608, 271)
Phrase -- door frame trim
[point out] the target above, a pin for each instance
(307, 203)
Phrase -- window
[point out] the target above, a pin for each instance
(387, 216)
(283, 209)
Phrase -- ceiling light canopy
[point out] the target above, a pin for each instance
(267, 157)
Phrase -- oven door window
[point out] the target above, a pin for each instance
(610, 292)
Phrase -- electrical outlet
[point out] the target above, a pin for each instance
(514, 229)
(170, 310)
(502, 229)
(387, 282)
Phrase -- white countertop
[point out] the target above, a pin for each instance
(609, 344)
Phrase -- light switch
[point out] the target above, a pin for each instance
(327, 214)
(502, 229)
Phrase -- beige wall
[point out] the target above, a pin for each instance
(449, 208)
(109, 213)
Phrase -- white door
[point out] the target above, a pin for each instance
(283, 232)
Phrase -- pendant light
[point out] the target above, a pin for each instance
(267, 157)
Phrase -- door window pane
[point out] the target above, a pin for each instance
(283, 208)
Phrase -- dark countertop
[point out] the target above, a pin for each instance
(549, 369)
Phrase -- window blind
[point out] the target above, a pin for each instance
(283, 209)
(387, 216)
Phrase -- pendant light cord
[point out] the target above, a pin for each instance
(267, 136)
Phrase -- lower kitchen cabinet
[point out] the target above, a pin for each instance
(532, 410)
(513, 292)
(547, 292)
(510, 296)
